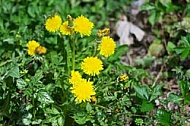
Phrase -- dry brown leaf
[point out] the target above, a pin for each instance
(124, 29)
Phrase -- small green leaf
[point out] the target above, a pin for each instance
(170, 47)
(120, 50)
(163, 117)
(175, 98)
(14, 72)
(36, 122)
(44, 97)
(146, 106)
(147, 7)
(88, 108)
(80, 118)
(141, 92)
(52, 110)
(183, 88)
(185, 54)
(185, 41)
(152, 18)
(61, 120)
(21, 84)
(156, 92)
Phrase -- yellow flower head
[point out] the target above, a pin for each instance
(41, 50)
(92, 66)
(83, 25)
(93, 99)
(75, 77)
(83, 91)
(107, 46)
(103, 32)
(32, 45)
(123, 77)
(65, 29)
(53, 23)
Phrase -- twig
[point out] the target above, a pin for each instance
(158, 76)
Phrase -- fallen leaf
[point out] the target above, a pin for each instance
(124, 29)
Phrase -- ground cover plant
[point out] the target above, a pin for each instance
(60, 64)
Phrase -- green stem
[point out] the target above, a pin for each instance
(73, 53)
(99, 106)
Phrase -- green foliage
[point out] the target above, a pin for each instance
(36, 90)
(163, 117)
(158, 9)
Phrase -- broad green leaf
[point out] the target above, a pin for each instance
(145, 62)
(52, 110)
(61, 120)
(175, 98)
(146, 106)
(141, 92)
(156, 48)
(185, 41)
(36, 122)
(88, 107)
(170, 47)
(152, 18)
(183, 88)
(14, 72)
(185, 53)
(80, 118)
(147, 7)
(163, 117)
(120, 50)
(179, 50)
(21, 84)
(187, 99)
(156, 92)
(44, 97)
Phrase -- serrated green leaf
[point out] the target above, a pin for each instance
(156, 92)
(52, 110)
(44, 97)
(163, 117)
(175, 98)
(141, 92)
(146, 106)
(185, 41)
(14, 72)
(36, 122)
(61, 121)
(183, 88)
(21, 84)
(80, 118)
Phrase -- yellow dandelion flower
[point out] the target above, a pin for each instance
(75, 77)
(83, 91)
(123, 77)
(41, 50)
(92, 66)
(93, 99)
(83, 25)
(107, 46)
(65, 29)
(32, 45)
(53, 23)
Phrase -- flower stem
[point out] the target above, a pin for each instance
(99, 106)
(73, 52)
